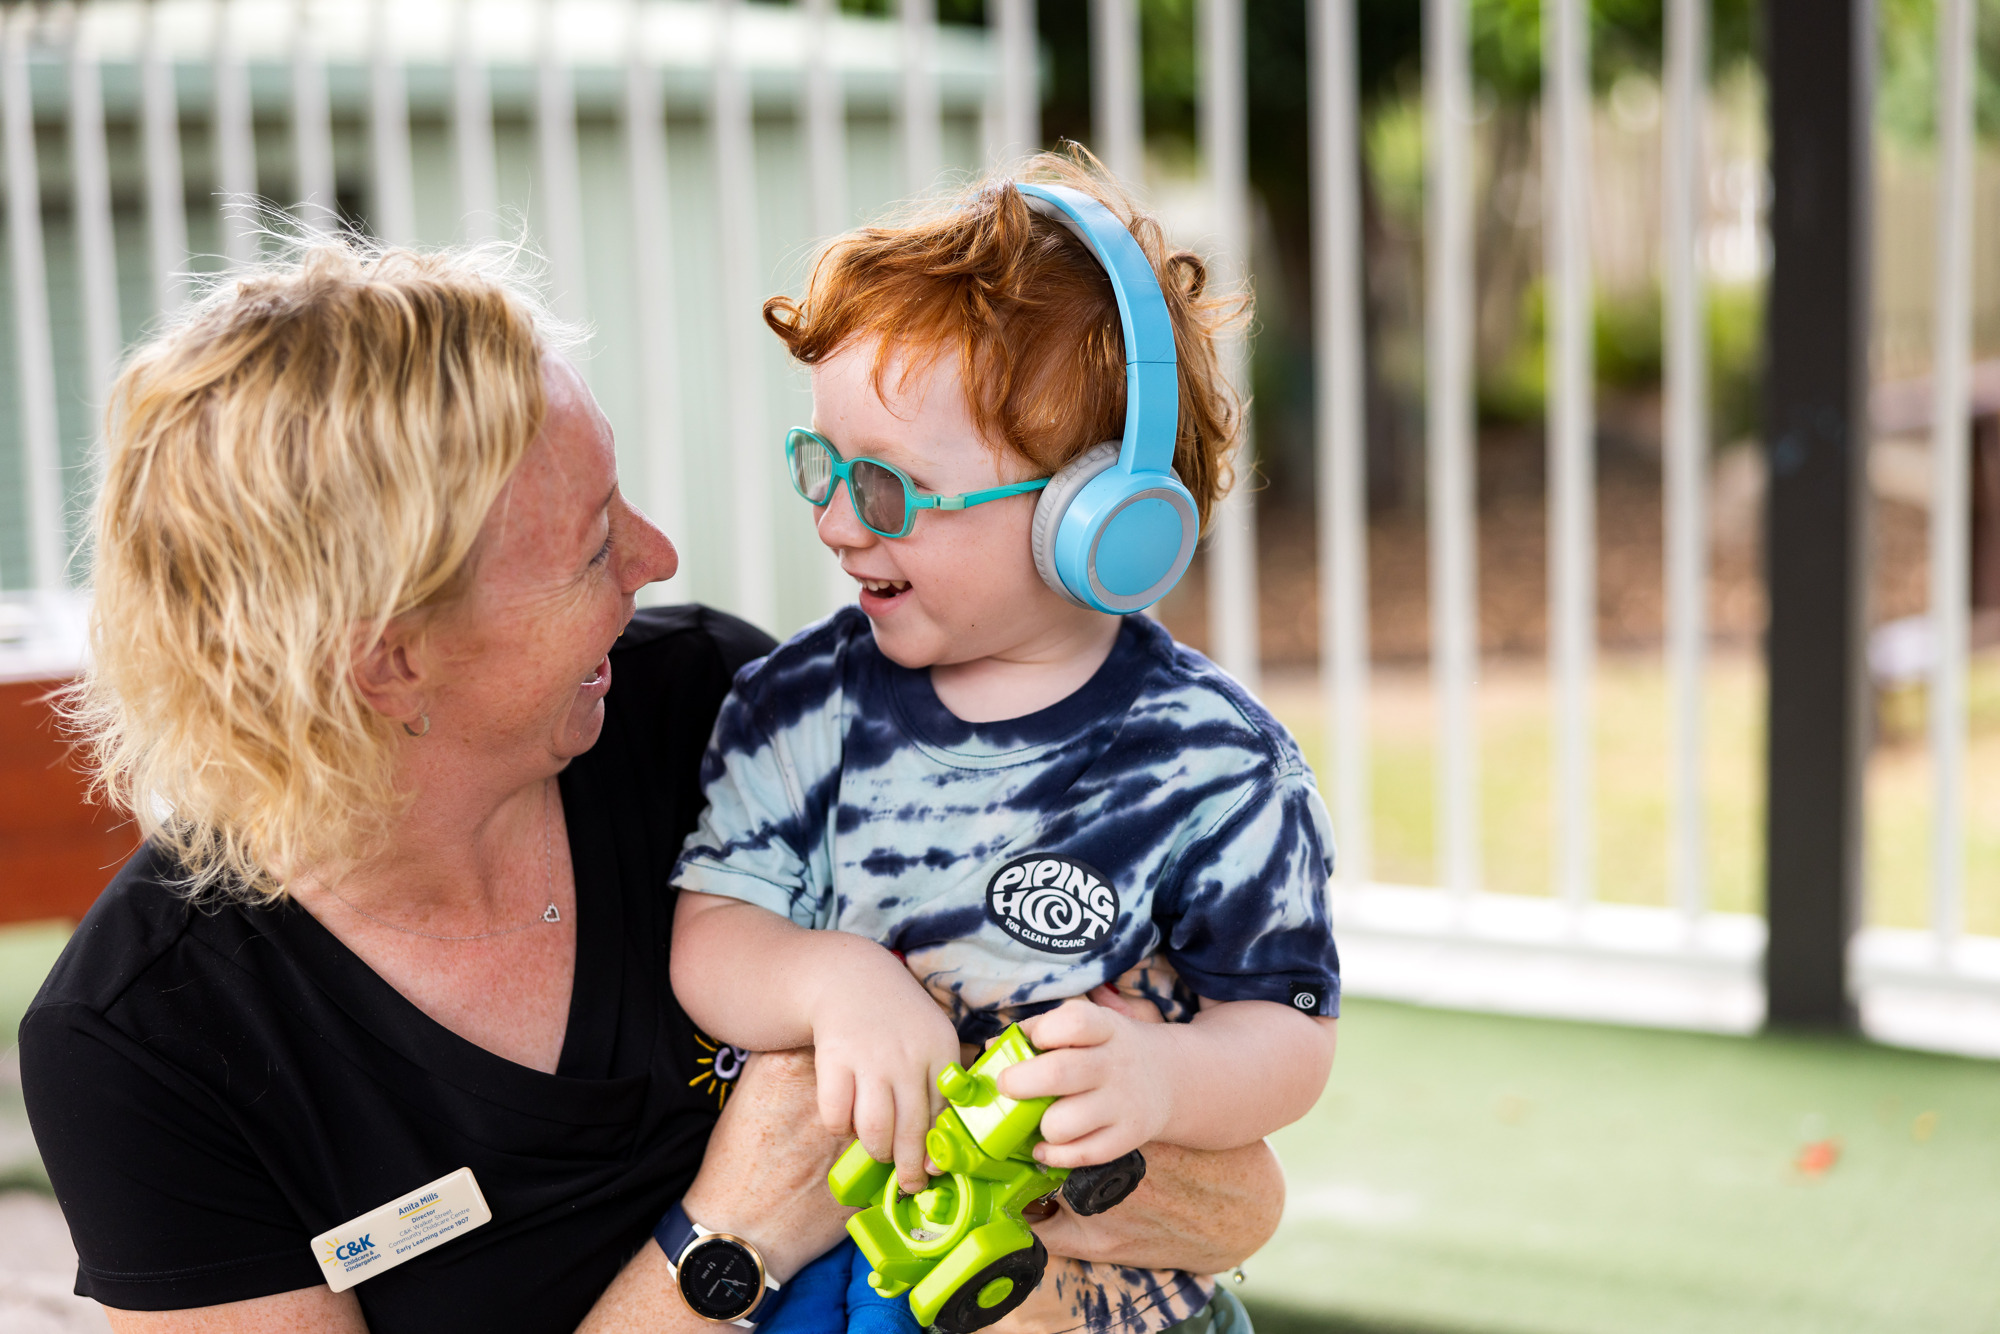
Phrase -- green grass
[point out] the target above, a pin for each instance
(1468, 1174)
(27, 951)
(1633, 723)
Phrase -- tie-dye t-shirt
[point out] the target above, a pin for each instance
(1156, 830)
(1016, 864)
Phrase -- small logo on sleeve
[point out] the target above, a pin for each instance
(1308, 998)
(1055, 904)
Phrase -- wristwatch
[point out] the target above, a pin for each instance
(721, 1278)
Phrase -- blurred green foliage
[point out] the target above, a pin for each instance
(1628, 347)
(1907, 81)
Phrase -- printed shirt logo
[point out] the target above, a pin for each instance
(717, 1067)
(1056, 904)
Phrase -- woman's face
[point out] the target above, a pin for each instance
(522, 665)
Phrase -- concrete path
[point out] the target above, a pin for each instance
(37, 1270)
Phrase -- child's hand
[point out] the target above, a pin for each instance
(879, 1041)
(1108, 1072)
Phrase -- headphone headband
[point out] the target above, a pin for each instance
(1152, 378)
(1116, 532)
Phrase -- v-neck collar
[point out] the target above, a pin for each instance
(582, 1073)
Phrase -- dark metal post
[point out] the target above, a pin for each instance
(1819, 57)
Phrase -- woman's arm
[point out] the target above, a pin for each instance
(763, 1178)
(1198, 1209)
(307, 1311)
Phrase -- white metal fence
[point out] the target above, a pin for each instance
(673, 159)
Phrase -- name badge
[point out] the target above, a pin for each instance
(402, 1229)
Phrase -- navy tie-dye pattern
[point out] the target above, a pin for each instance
(842, 794)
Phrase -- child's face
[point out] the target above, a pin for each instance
(962, 586)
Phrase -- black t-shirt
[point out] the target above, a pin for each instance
(212, 1089)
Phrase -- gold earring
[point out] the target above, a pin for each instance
(426, 729)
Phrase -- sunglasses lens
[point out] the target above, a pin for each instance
(812, 468)
(878, 496)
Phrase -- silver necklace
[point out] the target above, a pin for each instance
(550, 914)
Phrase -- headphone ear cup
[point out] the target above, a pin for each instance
(1054, 502)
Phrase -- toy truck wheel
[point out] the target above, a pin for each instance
(1092, 1190)
(994, 1291)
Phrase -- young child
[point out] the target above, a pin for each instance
(1044, 812)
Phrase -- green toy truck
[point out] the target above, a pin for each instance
(960, 1247)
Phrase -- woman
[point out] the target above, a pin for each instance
(364, 582)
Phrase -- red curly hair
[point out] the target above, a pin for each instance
(1029, 313)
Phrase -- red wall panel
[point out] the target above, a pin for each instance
(57, 850)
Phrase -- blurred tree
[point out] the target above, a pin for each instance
(1906, 88)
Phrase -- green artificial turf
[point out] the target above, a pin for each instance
(1473, 1173)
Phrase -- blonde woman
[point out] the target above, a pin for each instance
(412, 774)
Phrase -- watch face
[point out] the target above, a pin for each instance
(720, 1278)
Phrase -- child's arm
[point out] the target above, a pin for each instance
(752, 978)
(1241, 1070)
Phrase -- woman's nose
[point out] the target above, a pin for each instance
(837, 525)
(653, 556)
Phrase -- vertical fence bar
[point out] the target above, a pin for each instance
(393, 210)
(1117, 99)
(749, 448)
(166, 195)
(825, 122)
(472, 131)
(1449, 437)
(1232, 554)
(1687, 443)
(90, 184)
(312, 126)
(1341, 423)
(1951, 553)
(561, 183)
(1819, 59)
(652, 274)
(922, 151)
(1572, 520)
(235, 150)
(34, 359)
(826, 151)
(1020, 84)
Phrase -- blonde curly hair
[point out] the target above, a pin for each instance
(308, 453)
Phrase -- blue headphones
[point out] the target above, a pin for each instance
(1115, 529)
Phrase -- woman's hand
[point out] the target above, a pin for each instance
(763, 1179)
(1200, 1210)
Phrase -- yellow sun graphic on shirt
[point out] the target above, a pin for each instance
(717, 1067)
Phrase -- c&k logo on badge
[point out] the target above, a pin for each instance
(1053, 903)
(349, 1250)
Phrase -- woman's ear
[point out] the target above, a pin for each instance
(388, 671)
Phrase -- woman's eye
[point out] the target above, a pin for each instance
(603, 552)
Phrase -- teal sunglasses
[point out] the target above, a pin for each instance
(884, 499)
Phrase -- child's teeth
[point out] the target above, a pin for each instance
(884, 585)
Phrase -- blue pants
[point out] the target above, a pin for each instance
(831, 1296)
